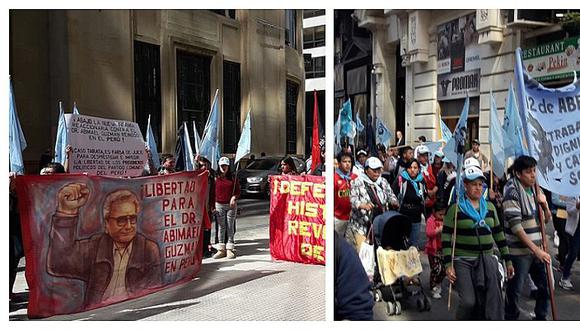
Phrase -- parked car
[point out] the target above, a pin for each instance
(254, 178)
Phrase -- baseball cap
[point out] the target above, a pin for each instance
(374, 163)
(439, 154)
(471, 162)
(422, 150)
(446, 160)
(224, 161)
(476, 141)
(361, 152)
(473, 173)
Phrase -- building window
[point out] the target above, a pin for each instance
(314, 37)
(317, 68)
(148, 88)
(231, 106)
(230, 13)
(291, 28)
(308, 13)
(291, 101)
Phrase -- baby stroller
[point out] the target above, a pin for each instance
(393, 254)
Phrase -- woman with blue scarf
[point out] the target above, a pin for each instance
(474, 270)
(411, 191)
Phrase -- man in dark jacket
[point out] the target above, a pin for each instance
(352, 289)
(115, 265)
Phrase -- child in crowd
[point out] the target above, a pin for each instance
(434, 248)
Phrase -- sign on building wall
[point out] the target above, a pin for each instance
(458, 85)
(554, 60)
(457, 46)
(105, 146)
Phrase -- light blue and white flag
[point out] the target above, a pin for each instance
(245, 142)
(16, 139)
(445, 132)
(551, 119)
(150, 142)
(360, 127)
(347, 125)
(455, 148)
(383, 135)
(209, 142)
(196, 139)
(337, 134)
(189, 164)
(496, 139)
(61, 138)
(512, 127)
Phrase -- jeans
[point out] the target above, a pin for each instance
(414, 236)
(572, 253)
(478, 299)
(537, 269)
(226, 217)
(340, 226)
(560, 226)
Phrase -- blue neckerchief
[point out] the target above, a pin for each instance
(477, 217)
(345, 176)
(415, 181)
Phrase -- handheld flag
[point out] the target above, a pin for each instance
(347, 125)
(189, 159)
(151, 144)
(383, 134)
(245, 142)
(196, 139)
(17, 142)
(61, 138)
(496, 139)
(359, 125)
(455, 147)
(371, 142)
(315, 138)
(209, 141)
(512, 126)
(445, 132)
(75, 109)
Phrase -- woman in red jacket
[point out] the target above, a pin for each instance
(227, 192)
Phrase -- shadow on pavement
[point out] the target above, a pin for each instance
(209, 280)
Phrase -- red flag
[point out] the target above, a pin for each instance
(315, 138)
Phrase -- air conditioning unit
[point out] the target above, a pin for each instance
(530, 18)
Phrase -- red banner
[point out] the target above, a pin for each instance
(91, 241)
(297, 213)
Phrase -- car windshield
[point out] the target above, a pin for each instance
(262, 164)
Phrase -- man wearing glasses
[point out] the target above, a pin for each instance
(115, 265)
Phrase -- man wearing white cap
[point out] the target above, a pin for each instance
(359, 165)
(370, 196)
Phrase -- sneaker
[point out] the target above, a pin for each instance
(566, 284)
(231, 254)
(220, 254)
(436, 294)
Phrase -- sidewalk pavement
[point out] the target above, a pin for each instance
(250, 287)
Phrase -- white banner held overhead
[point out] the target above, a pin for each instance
(105, 146)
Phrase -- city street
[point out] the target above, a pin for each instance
(566, 301)
(250, 287)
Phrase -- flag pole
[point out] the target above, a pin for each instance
(549, 273)
(453, 239)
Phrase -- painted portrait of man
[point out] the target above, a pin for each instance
(115, 265)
